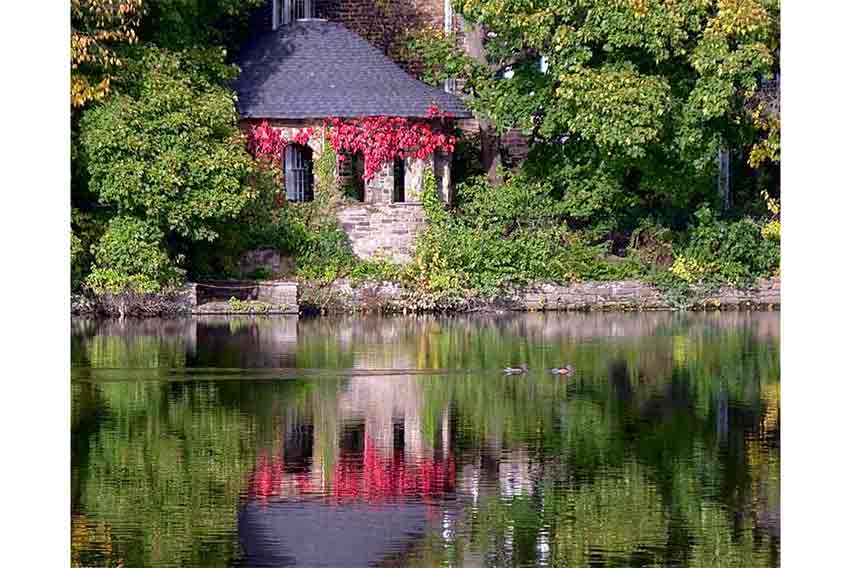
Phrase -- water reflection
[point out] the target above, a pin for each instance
(274, 441)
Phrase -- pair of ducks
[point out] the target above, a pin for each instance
(524, 368)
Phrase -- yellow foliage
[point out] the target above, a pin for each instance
(772, 204)
(96, 25)
(739, 17)
(689, 269)
(769, 147)
(772, 229)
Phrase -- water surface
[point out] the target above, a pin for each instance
(273, 441)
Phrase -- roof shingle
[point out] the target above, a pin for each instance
(318, 69)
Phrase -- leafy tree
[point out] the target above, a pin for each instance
(627, 102)
(98, 27)
(180, 24)
(170, 151)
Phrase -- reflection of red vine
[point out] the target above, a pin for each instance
(367, 477)
(378, 479)
(265, 480)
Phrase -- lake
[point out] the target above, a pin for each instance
(370, 441)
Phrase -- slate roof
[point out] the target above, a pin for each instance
(317, 69)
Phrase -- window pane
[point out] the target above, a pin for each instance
(298, 167)
(358, 187)
(399, 180)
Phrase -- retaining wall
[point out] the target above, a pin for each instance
(346, 296)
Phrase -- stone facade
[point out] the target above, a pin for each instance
(378, 227)
(386, 231)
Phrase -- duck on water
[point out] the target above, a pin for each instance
(524, 368)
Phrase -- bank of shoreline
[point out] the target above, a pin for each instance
(344, 296)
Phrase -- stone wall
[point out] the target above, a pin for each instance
(634, 294)
(265, 259)
(264, 297)
(178, 301)
(385, 231)
(279, 293)
(627, 295)
(268, 297)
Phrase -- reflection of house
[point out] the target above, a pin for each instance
(381, 488)
(301, 71)
(246, 342)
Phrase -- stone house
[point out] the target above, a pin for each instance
(302, 70)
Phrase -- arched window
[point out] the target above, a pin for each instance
(399, 180)
(298, 173)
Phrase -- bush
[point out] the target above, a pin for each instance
(86, 230)
(727, 252)
(130, 258)
(505, 235)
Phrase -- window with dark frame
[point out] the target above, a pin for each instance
(399, 180)
(298, 173)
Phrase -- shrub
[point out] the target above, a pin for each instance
(505, 235)
(728, 252)
(86, 230)
(130, 258)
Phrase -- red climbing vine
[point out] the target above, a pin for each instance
(264, 141)
(380, 139)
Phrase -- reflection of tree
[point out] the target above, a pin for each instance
(650, 447)
(163, 465)
(663, 449)
(91, 544)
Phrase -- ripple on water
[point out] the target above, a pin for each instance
(398, 442)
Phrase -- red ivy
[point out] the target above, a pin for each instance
(381, 139)
(302, 136)
(264, 141)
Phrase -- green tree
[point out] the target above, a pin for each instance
(179, 24)
(627, 102)
(168, 150)
(130, 257)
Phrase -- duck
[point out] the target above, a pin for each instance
(521, 370)
(565, 370)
